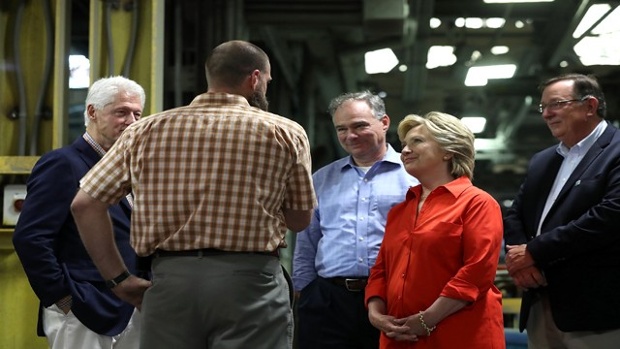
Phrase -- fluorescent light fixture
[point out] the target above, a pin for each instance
(499, 50)
(79, 71)
(513, 1)
(594, 13)
(599, 48)
(380, 61)
(475, 124)
(474, 22)
(609, 24)
(440, 56)
(494, 22)
(480, 75)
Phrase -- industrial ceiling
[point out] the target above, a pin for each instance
(317, 49)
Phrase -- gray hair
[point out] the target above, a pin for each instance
(584, 85)
(104, 91)
(451, 135)
(374, 102)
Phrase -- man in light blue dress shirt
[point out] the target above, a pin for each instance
(333, 256)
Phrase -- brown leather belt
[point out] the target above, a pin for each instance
(351, 284)
(204, 252)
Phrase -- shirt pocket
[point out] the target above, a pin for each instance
(382, 204)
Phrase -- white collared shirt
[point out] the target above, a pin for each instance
(572, 157)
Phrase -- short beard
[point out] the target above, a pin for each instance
(259, 100)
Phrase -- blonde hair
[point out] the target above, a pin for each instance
(451, 135)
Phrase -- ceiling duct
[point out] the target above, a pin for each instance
(386, 17)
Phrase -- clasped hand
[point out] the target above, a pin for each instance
(405, 329)
(521, 268)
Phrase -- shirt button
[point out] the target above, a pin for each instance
(361, 238)
(361, 218)
(361, 259)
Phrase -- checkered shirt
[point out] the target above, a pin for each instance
(214, 174)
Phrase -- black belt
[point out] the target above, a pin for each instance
(351, 284)
(203, 252)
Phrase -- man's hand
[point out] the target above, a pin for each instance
(132, 289)
(529, 277)
(518, 257)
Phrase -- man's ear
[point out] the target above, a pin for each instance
(593, 105)
(254, 79)
(385, 120)
(91, 111)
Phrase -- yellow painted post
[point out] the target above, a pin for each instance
(18, 304)
(60, 85)
(110, 36)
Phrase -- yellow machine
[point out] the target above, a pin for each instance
(125, 38)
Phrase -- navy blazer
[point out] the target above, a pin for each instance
(48, 244)
(578, 249)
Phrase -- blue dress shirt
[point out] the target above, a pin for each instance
(347, 228)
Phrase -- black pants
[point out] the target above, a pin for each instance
(331, 317)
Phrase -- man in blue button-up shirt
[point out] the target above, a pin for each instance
(334, 254)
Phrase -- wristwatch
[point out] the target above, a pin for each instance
(117, 280)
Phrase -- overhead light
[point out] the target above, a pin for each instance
(594, 13)
(380, 61)
(513, 1)
(474, 22)
(598, 50)
(599, 46)
(500, 50)
(79, 71)
(494, 22)
(440, 56)
(475, 124)
(480, 75)
(435, 22)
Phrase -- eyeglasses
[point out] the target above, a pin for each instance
(559, 104)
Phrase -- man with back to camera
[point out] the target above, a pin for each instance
(334, 254)
(216, 183)
(77, 309)
(561, 233)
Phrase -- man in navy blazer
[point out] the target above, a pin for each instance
(77, 309)
(563, 231)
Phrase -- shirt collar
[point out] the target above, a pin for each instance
(390, 156)
(91, 141)
(585, 143)
(219, 98)
(455, 187)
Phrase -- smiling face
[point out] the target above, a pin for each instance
(107, 124)
(360, 133)
(569, 122)
(422, 156)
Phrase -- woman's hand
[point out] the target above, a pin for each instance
(389, 325)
